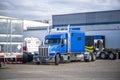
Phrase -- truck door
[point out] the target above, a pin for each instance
(63, 46)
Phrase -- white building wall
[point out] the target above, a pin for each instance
(28, 23)
(40, 34)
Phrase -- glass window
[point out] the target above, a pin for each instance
(52, 41)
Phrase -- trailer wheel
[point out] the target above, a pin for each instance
(112, 56)
(103, 55)
(57, 59)
(93, 57)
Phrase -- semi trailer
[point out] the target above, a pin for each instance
(110, 41)
(11, 40)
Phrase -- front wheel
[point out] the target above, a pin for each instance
(25, 58)
(57, 59)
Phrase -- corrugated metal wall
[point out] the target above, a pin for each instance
(99, 27)
(105, 17)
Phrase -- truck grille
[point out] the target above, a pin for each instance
(43, 52)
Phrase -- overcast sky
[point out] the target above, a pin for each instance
(44, 9)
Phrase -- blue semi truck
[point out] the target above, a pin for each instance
(70, 44)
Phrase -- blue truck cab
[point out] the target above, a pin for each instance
(64, 44)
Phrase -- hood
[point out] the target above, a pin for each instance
(53, 48)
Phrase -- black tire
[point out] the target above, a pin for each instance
(38, 63)
(2, 63)
(30, 57)
(93, 57)
(89, 58)
(118, 55)
(57, 59)
(25, 58)
(111, 56)
(103, 55)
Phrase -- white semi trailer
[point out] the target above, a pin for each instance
(11, 40)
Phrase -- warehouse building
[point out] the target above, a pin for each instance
(105, 23)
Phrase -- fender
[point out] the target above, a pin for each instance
(53, 54)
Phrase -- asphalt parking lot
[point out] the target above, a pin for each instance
(98, 70)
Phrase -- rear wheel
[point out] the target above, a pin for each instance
(103, 55)
(118, 55)
(57, 59)
(112, 56)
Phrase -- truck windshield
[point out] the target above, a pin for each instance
(52, 41)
